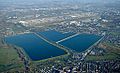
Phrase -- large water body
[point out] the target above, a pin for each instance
(78, 43)
(38, 49)
(81, 42)
(35, 47)
(54, 35)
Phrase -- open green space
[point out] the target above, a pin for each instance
(113, 52)
(107, 56)
(9, 59)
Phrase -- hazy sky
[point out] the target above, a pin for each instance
(46, 1)
(57, 0)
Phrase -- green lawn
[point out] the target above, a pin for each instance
(107, 56)
(113, 52)
(9, 59)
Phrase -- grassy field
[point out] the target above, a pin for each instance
(107, 56)
(9, 59)
(113, 52)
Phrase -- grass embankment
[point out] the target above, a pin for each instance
(9, 59)
(113, 52)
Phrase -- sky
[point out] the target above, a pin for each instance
(48, 1)
(58, 0)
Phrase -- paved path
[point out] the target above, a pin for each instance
(68, 38)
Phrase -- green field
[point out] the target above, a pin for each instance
(107, 56)
(9, 59)
(113, 52)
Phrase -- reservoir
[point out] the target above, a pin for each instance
(38, 49)
(78, 43)
(35, 47)
(81, 42)
(54, 35)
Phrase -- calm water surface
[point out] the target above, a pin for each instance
(81, 42)
(54, 35)
(35, 47)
